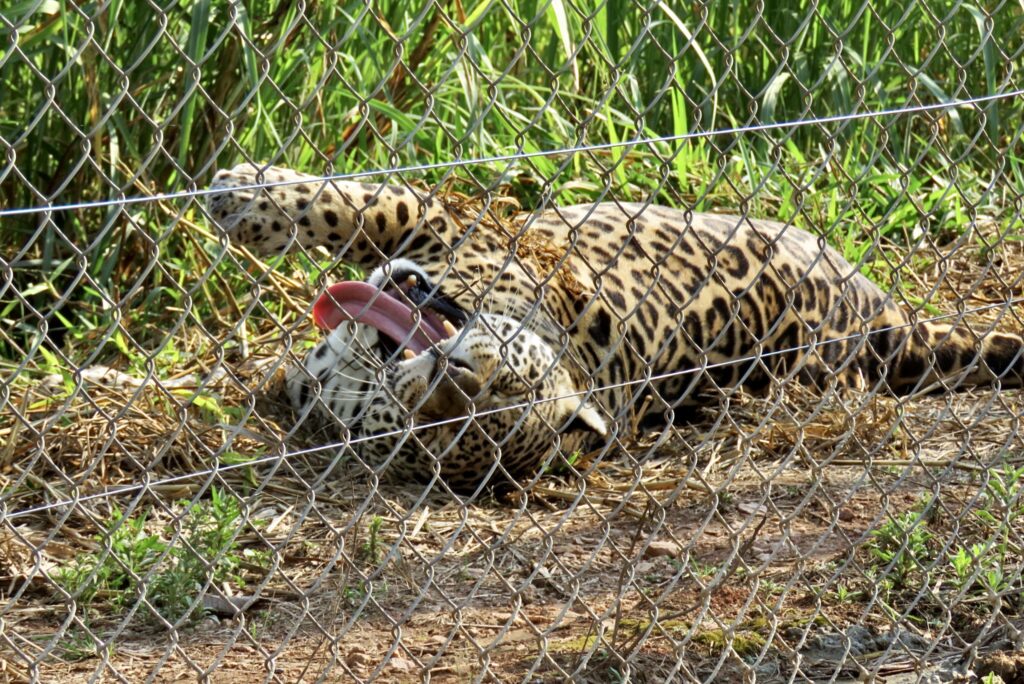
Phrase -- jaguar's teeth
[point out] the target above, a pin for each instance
(408, 354)
(412, 280)
(449, 328)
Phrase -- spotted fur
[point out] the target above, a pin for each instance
(580, 316)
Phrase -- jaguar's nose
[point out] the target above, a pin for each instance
(463, 378)
(456, 387)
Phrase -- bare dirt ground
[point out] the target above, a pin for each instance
(748, 546)
(633, 569)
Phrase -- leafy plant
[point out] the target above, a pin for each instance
(329, 99)
(372, 546)
(114, 572)
(845, 594)
(170, 573)
(901, 547)
(981, 565)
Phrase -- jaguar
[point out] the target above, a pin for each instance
(483, 345)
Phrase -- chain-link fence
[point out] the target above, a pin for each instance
(187, 494)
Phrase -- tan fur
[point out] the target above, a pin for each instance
(708, 302)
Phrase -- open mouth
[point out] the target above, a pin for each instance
(411, 314)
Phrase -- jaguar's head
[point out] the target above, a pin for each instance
(444, 367)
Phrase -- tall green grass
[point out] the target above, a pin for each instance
(99, 102)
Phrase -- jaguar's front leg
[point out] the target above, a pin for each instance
(273, 210)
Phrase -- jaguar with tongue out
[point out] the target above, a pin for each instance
(481, 348)
(428, 321)
(450, 364)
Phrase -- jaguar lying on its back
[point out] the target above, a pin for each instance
(553, 330)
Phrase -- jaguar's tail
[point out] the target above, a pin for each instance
(940, 356)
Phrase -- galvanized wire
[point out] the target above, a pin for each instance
(336, 446)
(519, 156)
(161, 520)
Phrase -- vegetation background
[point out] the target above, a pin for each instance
(102, 101)
(105, 100)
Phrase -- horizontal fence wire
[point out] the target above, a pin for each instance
(133, 489)
(189, 491)
(516, 156)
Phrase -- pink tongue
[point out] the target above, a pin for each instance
(354, 300)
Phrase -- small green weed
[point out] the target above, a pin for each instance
(980, 565)
(112, 573)
(563, 464)
(234, 458)
(170, 574)
(905, 555)
(844, 594)
(77, 645)
(372, 546)
(703, 570)
(355, 594)
(901, 548)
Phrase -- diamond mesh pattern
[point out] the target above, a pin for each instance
(163, 517)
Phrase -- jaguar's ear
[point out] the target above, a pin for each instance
(583, 416)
